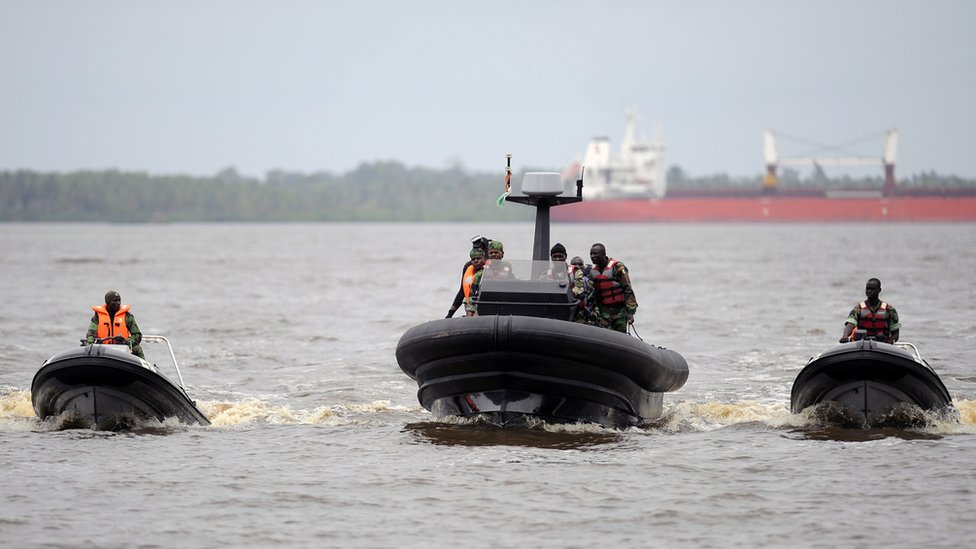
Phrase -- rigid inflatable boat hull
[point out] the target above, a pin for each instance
(506, 367)
(105, 387)
(869, 379)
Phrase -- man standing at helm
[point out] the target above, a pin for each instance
(614, 298)
(114, 323)
(878, 319)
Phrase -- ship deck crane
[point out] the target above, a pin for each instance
(772, 159)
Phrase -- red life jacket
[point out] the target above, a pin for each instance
(111, 327)
(875, 322)
(608, 290)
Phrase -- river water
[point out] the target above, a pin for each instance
(286, 336)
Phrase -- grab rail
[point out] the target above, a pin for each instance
(909, 347)
(162, 339)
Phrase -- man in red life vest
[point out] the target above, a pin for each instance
(878, 319)
(613, 296)
(114, 322)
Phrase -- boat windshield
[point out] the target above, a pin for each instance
(521, 270)
(527, 288)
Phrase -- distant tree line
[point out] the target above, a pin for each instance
(378, 191)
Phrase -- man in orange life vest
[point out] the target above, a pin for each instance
(471, 280)
(613, 295)
(476, 242)
(113, 320)
(877, 318)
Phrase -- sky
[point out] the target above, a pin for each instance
(194, 87)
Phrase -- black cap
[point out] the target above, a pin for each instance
(558, 248)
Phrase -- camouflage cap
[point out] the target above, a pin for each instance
(496, 245)
(476, 252)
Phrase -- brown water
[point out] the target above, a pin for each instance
(286, 334)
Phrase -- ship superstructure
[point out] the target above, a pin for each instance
(637, 170)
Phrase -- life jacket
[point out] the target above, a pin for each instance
(875, 322)
(109, 327)
(608, 291)
(467, 280)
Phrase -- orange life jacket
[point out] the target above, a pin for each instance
(111, 327)
(467, 280)
(875, 322)
(608, 290)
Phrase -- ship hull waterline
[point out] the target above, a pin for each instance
(775, 209)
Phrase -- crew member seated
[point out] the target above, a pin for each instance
(496, 267)
(874, 318)
(558, 268)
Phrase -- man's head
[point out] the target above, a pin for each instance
(598, 255)
(112, 301)
(872, 289)
(577, 260)
(477, 257)
(558, 253)
(496, 250)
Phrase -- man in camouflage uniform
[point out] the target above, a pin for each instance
(575, 273)
(471, 281)
(613, 295)
(113, 302)
(476, 242)
(496, 266)
(582, 291)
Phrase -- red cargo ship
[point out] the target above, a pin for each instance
(772, 208)
(630, 186)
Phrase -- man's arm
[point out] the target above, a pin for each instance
(92, 330)
(894, 326)
(135, 336)
(459, 297)
(630, 300)
(849, 326)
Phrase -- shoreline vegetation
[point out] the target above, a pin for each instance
(376, 191)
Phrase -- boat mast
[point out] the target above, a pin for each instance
(542, 190)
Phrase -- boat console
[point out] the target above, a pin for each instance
(539, 289)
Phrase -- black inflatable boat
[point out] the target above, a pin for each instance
(523, 357)
(106, 387)
(868, 381)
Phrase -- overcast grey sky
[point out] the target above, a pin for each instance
(196, 86)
